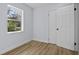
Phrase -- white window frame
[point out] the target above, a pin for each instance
(22, 21)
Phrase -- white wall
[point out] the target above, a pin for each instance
(40, 24)
(9, 41)
(40, 28)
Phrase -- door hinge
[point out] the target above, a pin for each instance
(75, 9)
(74, 43)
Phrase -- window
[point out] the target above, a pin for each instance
(15, 19)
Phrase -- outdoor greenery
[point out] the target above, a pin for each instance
(14, 19)
(13, 26)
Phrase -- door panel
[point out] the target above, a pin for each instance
(65, 23)
(61, 27)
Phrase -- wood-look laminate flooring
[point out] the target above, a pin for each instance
(40, 48)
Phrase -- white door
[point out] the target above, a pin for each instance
(52, 27)
(65, 24)
(61, 27)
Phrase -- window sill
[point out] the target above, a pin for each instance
(15, 32)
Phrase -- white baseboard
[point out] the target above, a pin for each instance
(36, 39)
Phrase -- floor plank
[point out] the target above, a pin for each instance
(40, 48)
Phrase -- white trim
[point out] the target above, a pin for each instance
(40, 40)
(15, 32)
(14, 7)
(22, 21)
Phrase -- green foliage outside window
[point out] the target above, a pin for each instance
(14, 25)
(14, 19)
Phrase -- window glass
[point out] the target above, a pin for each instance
(15, 19)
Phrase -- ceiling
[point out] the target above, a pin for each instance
(36, 5)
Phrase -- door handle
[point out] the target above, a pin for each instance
(57, 29)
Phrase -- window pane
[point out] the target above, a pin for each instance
(14, 25)
(14, 19)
